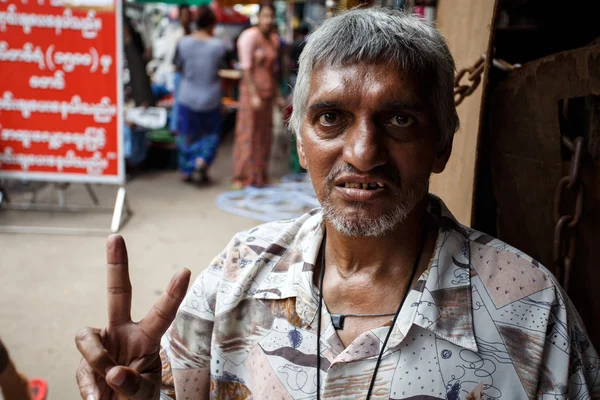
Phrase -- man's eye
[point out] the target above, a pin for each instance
(329, 119)
(402, 121)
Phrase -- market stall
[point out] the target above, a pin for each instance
(162, 36)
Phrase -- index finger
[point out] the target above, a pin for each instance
(118, 283)
(162, 314)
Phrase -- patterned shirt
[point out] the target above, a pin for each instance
(484, 321)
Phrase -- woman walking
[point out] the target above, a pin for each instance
(185, 29)
(258, 49)
(199, 56)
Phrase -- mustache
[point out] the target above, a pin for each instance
(384, 171)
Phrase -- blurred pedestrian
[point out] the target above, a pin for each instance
(185, 21)
(138, 93)
(199, 57)
(258, 49)
(139, 85)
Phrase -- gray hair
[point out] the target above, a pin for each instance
(378, 35)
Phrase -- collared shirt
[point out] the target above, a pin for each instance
(484, 321)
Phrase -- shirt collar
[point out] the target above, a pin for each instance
(440, 302)
(445, 302)
(292, 274)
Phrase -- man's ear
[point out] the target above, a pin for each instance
(441, 158)
(301, 153)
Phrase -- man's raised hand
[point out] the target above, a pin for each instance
(122, 360)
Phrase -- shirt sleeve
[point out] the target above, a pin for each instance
(245, 48)
(570, 365)
(186, 344)
(167, 389)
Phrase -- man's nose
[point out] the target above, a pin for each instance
(364, 146)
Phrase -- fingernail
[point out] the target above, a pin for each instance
(118, 378)
(90, 397)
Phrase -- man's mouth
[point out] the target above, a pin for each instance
(363, 186)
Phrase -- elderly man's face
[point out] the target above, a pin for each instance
(369, 143)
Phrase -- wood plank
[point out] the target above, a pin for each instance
(466, 24)
(527, 164)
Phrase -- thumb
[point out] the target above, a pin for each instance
(129, 383)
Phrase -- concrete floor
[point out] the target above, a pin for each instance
(52, 286)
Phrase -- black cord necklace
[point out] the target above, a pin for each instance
(408, 287)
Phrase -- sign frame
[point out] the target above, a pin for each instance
(121, 212)
(120, 177)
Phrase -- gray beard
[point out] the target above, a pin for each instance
(365, 226)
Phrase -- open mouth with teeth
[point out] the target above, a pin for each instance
(363, 186)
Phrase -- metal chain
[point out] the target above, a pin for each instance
(569, 187)
(565, 232)
(462, 90)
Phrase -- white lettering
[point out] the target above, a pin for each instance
(68, 60)
(56, 82)
(93, 165)
(92, 139)
(106, 62)
(28, 54)
(89, 25)
(71, 60)
(103, 112)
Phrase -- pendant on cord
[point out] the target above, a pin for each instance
(338, 320)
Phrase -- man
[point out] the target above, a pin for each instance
(185, 20)
(398, 300)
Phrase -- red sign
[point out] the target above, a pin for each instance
(60, 97)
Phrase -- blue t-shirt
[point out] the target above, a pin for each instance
(199, 60)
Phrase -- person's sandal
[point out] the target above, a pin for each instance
(236, 186)
(186, 178)
(199, 174)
